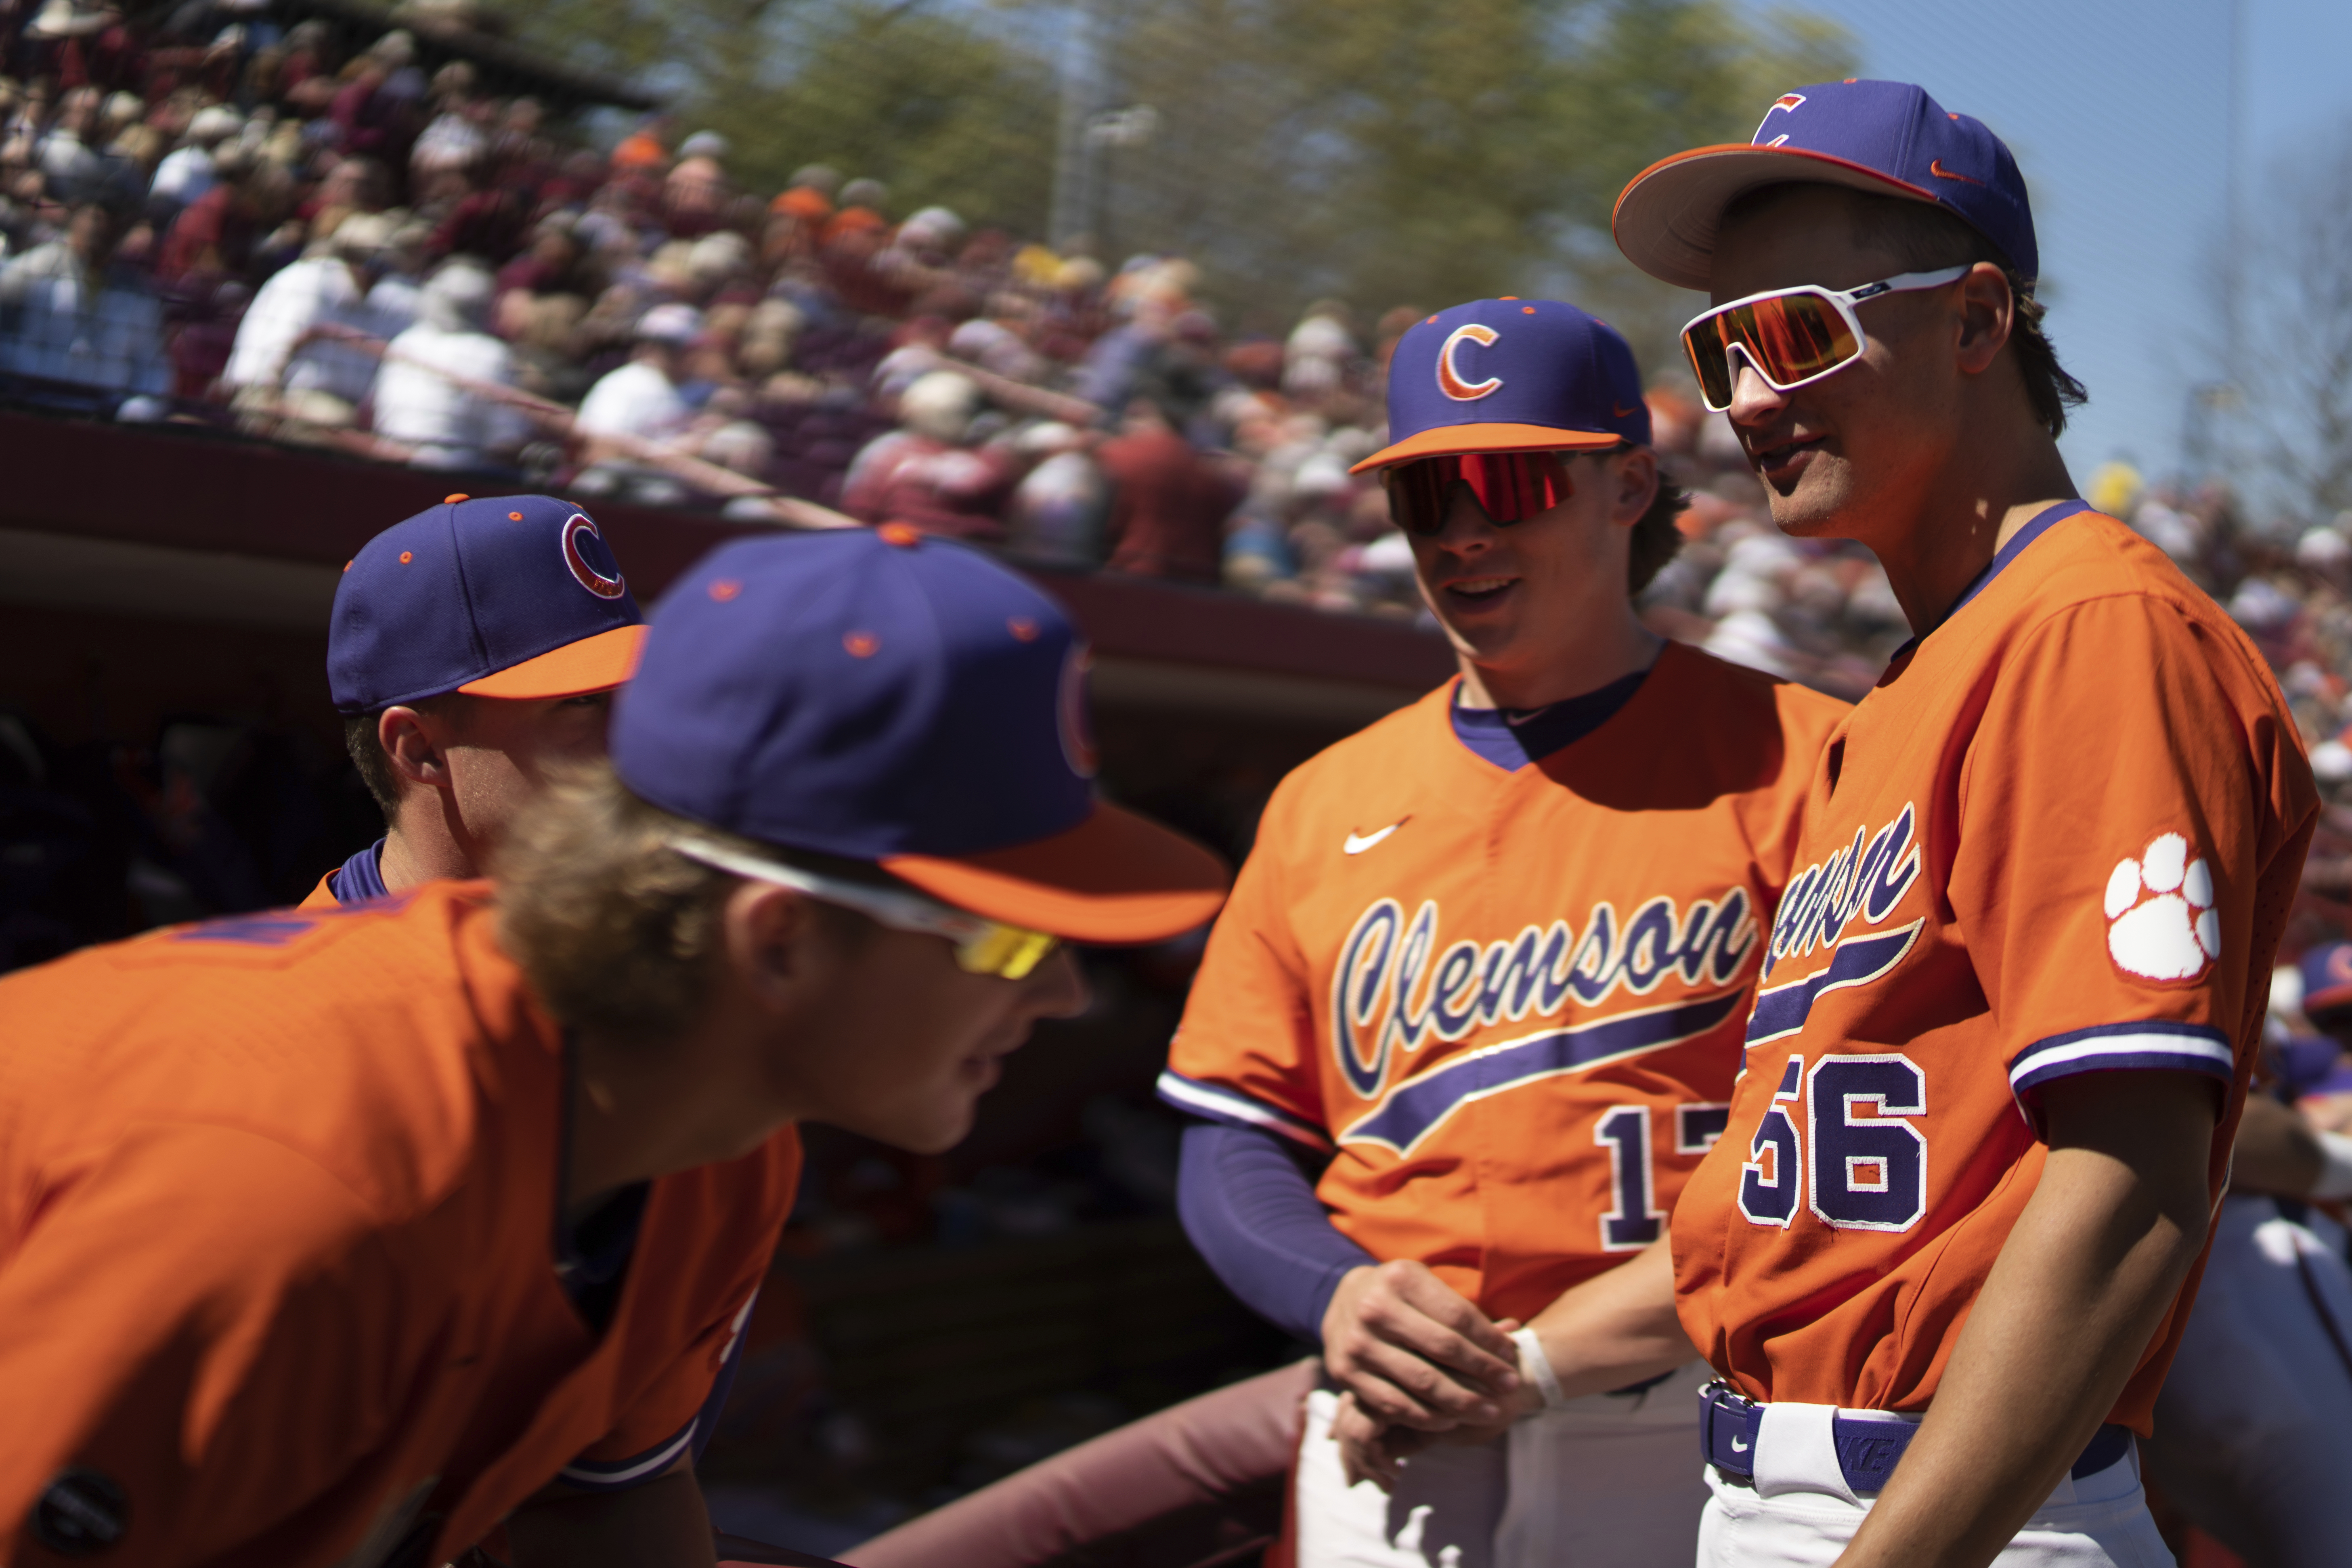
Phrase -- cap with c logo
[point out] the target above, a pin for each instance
(1510, 375)
(890, 697)
(1887, 138)
(514, 596)
(2326, 977)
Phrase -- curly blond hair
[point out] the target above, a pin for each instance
(615, 929)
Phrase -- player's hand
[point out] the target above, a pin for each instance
(1413, 1353)
(1370, 1451)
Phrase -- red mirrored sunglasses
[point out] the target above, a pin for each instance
(1509, 486)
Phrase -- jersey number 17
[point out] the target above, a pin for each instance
(1633, 1220)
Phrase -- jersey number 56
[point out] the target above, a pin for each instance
(1869, 1164)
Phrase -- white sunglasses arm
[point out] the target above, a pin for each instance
(1902, 283)
(903, 911)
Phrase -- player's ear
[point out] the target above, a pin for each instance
(414, 746)
(769, 941)
(1634, 473)
(1987, 310)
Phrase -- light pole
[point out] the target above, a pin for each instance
(1076, 153)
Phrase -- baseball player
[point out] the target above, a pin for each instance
(1486, 970)
(472, 648)
(2248, 1427)
(357, 1236)
(1942, 1256)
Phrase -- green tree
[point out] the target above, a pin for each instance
(937, 105)
(1386, 152)
(940, 110)
(1395, 152)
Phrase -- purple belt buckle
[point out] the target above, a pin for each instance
(1727, 1424)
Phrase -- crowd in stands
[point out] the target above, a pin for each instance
(208, 214)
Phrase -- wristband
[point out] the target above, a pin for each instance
(2335, 1166)
(1535, 1367)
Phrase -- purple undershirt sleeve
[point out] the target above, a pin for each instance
(1254, 1217)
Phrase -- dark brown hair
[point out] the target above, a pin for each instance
(1922, 238)
(1655, 537)
(368, 754)
(368, 757)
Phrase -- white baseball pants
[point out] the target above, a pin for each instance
(1608, 1481)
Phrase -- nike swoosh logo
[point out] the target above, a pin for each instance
(1359, 842)
(1936, 167)
(1739, 1445)
(1517, 718)
(1620, 413)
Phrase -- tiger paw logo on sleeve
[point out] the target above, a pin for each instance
(2163, 924)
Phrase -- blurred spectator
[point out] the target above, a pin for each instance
(925, 473)
(640, 399)
(187, 173)
(1169, 503)
(431, 394)
(214, 234)
(68, 313)
(395, 300)
(647, 147)
(1315, 359)
(288, 354)
(1059, 509)
(455, 139)
(695, 195)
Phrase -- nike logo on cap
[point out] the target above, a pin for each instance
(1936, 167)
(1359, 842)
(1620, 413)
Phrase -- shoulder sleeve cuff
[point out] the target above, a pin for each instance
(2113, 1047)
(620, 1475)
(1219, 1102)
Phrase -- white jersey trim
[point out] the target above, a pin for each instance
(2109, 1047)
(1214, 1102)
(628, 1472)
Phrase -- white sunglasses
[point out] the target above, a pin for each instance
(1791, 337)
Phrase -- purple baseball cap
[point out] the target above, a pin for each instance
(512, 597)
(2326, 977)
(1888, 138)
(890, 697)
(1510, 375)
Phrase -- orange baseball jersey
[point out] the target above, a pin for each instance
(1507, 1001)
(279, 1202)
(2060, 836)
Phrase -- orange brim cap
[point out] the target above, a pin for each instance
(595, 663)
(1454, 440)
(1114, 878)
(1668, 215)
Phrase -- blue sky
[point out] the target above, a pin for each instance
(2116, 111)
